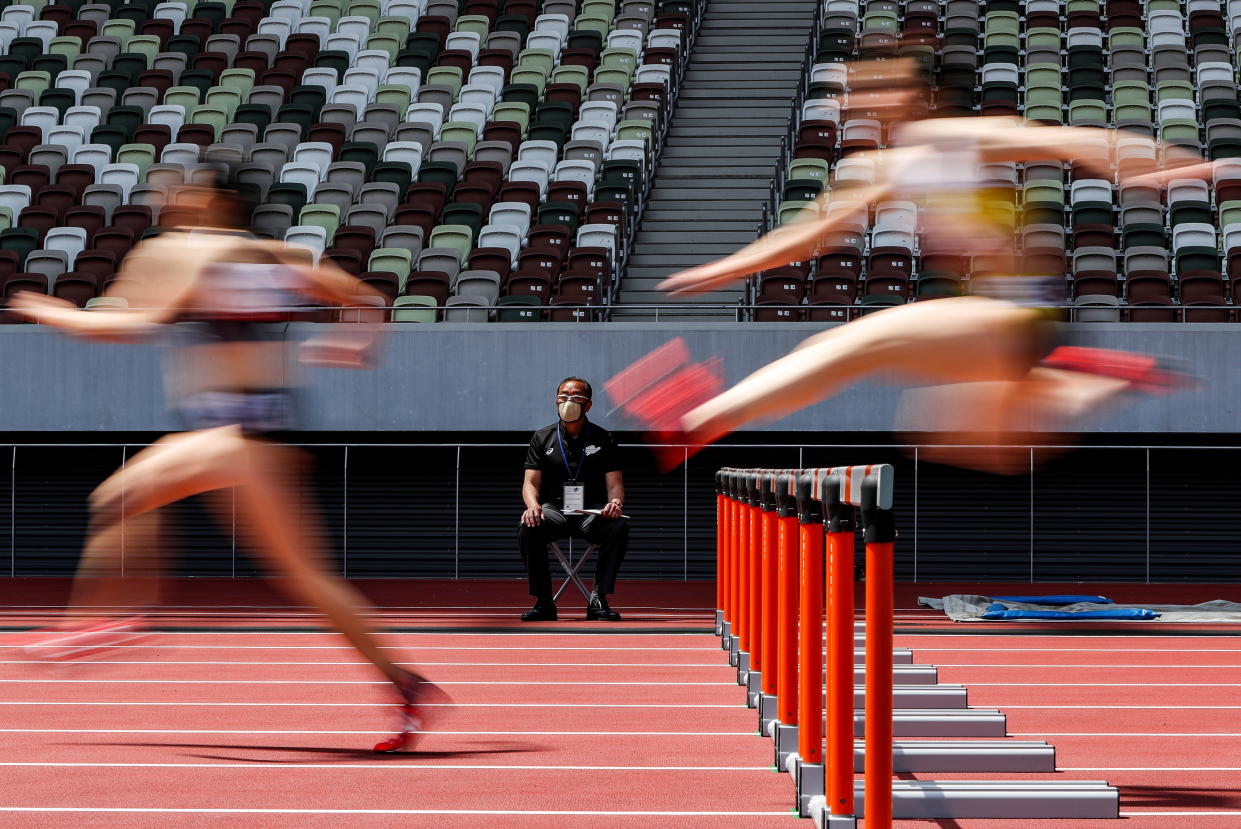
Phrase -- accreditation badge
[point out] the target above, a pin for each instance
(574, 495)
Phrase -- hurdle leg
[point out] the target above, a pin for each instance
(880, 533)
(755, 545)
(807, 765)
(838, 783)
(785, 731)
(770, 618)
(743, 552)
(720, 541)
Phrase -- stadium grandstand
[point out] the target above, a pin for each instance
(473, 200)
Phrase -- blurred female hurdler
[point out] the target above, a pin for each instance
(223, 289)
(993, 357)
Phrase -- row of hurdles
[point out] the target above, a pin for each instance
(786, 546)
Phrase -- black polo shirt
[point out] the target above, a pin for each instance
(591, 456)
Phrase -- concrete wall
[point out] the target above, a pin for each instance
(499, 377)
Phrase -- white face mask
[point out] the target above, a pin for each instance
(569, 412)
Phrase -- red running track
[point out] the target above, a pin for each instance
(226, 724)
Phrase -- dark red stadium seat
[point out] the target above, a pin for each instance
(434, 284)
(355, 237)
(134, 218)
(76, 287)
(540, 260)
(386, 282)
(75, 177)
(94, 263)
(529, 283)
(56, 199)
(491, 259)
(39, 218)
(582, 288)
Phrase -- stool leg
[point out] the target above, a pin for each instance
(570, 572)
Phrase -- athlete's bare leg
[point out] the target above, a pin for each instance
(120, 571)
(990, 425)
(288, 539)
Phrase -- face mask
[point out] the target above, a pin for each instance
(569, 412)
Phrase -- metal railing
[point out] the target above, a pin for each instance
(673, 509)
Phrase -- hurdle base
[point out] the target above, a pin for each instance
(900, 656)
(1012, 756)
(823, 820)
(941, 722)
(743, 667)
(809, 780)
(786, 744)
(719, 623)
(754, 681)
(901, 675)
(998, 799)
(766, 713)
(951, 697)
(733, 646)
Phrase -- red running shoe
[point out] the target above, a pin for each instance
(658, 390)
(416, 694)
(1153, 375)
(74, 644)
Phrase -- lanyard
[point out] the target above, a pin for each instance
(564, 457)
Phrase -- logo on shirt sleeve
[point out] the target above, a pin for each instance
(550, 449)
(590, 450)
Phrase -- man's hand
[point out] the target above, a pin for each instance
(612, 510)
(533, 516)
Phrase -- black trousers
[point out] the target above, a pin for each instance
(611, 534)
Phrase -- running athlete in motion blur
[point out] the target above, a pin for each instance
(222, 288)
(993, 359)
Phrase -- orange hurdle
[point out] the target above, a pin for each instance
(787, 565)
(754, 546)
(721, 542)
(840, 729)
(808, 776)
(770, 620)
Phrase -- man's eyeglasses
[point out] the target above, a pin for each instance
(574, 398)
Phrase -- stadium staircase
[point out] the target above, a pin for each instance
(716, 170)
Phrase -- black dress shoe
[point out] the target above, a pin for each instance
(541, 612)
(598, 609)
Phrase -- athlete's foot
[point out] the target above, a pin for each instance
(417, 694)
(658, 391)
(1146, 373)
(85, 641)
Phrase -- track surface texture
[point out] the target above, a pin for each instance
(238, 711)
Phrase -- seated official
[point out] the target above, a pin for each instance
(572, 464)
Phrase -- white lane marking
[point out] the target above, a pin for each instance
(1101, 667)
(917, 647)
(504, 812)
(391, 766)
(1148, 768)
(573, 682)
(330, 682)
(436, 633)
(429, 705)
(1144, 735)
(421, 663)
(1178, 814)
(161, 646)
(746, 734)
(1164, 707)
(973, 684)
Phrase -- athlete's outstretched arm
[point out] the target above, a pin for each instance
(336, 346)
(787, 243)
(1162, 178)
